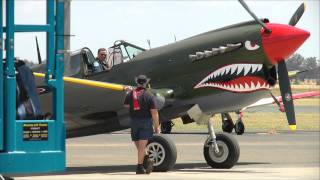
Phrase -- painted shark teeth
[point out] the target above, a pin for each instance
(235, 69)
(246, 87)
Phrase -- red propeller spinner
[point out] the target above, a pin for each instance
(282, 42)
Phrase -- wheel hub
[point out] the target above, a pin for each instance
(223, 153)
(220, 153)
(156, 152)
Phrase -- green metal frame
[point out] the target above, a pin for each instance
(16, 154)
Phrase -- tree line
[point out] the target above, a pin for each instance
(300, 63)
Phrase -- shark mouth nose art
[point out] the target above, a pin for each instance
(236, 78)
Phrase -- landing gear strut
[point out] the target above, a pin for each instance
(220, 150)
(239, 126)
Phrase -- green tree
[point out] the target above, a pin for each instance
(311, 64)
(295, 62)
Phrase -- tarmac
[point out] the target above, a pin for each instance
(263, 156)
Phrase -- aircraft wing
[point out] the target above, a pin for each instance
(272, 100)
(293, 74)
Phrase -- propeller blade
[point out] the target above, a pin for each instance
(297, 15)
(267, 30)
(286, 94)
(38, 51)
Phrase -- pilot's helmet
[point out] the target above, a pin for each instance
(142, 80)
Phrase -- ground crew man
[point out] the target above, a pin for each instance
(142, 108)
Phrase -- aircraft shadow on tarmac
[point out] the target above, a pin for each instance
(181, 167)
(203, 167)
(190, 167)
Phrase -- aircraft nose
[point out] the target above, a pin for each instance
(282, 42)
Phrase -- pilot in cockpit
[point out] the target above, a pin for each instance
(101, 62)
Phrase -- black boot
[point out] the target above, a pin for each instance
(148, 164)
(140, 169)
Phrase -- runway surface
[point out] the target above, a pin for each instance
(263, 156)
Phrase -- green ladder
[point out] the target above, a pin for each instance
(18, 154)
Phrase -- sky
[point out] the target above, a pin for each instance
(96, 24)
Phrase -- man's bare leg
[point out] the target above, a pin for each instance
(137, 144)
(141, 150)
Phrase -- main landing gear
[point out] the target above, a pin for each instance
(228, 126)
(220, 150)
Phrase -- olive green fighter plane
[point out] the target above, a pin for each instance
(219, 71)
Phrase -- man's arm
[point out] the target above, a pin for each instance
(105, 65)
(155, 117)
(126, 102)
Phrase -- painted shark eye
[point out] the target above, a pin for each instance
(251, 46)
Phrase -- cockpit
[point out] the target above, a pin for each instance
(83, 60)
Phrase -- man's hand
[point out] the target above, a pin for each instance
(128, 88)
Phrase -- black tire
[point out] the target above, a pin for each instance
(239, 128)
(166, 155)
(228, 155)
(227, 126)
(166, 127)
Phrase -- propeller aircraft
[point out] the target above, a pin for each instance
(216, 72)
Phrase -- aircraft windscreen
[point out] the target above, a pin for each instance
(132, 51)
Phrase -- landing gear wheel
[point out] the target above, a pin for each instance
(166, 127)
(227, 123)
(228, 155)
(227, 126)
(163, 152)
(239, 128)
